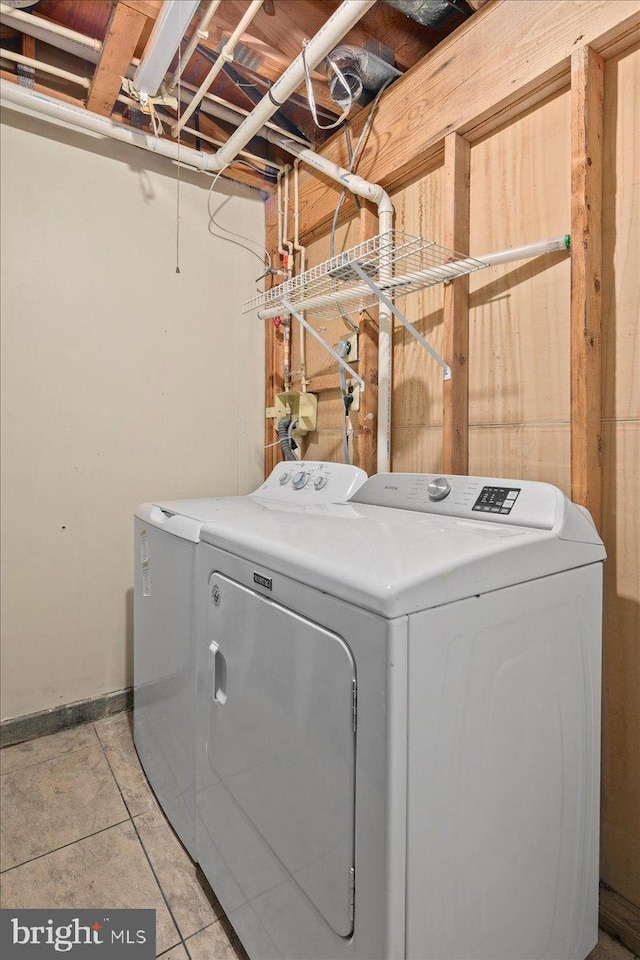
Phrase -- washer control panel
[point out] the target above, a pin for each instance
(311, 481)
(496, 499)
(522, 502)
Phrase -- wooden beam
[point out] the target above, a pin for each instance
(150, 8)
(504, 59)
(123, 32)
(455, 392)
(368, 362)
(587, 98)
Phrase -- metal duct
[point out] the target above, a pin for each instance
(364, 72)
(430, 13)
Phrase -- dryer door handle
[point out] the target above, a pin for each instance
(218, 674)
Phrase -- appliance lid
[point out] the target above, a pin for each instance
(289, 486)
(395, 560)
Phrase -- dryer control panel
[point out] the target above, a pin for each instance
(311, 481)
(524, 503)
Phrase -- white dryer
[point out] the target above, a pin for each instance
(166, 534)
(398, 722)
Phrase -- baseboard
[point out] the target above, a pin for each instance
(620, 919)
(60, 718)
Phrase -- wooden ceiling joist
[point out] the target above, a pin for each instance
(123, 33)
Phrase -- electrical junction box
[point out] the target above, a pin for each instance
(302, 407)
(352, 339)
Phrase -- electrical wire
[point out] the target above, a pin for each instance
(311, 96)
(266, 259)
(353, 164)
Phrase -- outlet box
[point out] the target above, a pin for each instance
(355, 393)
(303, 407)
(351, 338)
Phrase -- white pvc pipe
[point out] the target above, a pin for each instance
(38, 65)
(225, 56)
(199, 33)
(299, 248)
(219, 143)
(77, 43)
(339, 23)
(86, 120)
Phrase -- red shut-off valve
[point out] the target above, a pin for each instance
(277, 321)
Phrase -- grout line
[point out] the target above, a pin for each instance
(36, 763)
(64, 846)
(148, 859)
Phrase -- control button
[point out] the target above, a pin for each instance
(439, 489)
(284, 478)
(319, 483)
(300, 480)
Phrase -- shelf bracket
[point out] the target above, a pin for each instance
(314, 333)
(357, 269)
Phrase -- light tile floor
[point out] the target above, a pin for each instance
(81, 828)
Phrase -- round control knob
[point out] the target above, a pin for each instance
(439, 489)
(319, 483)
(300, 480)
(284, 478)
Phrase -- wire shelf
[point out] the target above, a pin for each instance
(398, 264)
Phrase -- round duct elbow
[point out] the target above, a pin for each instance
(430, 13)
(364, 72)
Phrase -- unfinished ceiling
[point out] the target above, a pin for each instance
(115, 36)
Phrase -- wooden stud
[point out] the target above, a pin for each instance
(368, 362)
(273, 384)
(123, 32)
(587, 98)
(455, 392)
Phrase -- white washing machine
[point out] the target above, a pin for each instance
(166, 534)
(398, 722)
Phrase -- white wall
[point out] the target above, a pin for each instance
(121, 382)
